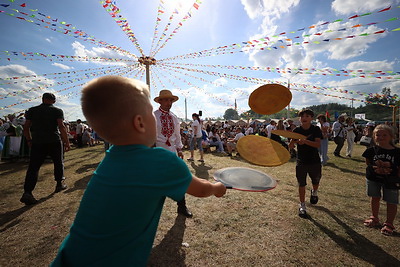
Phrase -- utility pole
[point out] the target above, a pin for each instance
(351, 111)
(288, 106)
(185, 110)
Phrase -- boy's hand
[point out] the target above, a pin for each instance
(219, 189)
(301, 141)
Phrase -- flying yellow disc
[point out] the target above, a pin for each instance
(289, 134)
(269, 99)
(262, 151)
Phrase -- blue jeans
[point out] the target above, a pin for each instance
(198, 142)
(219, 144)
(323, 151)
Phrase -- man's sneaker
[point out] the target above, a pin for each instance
(313, 199)
(60, 186)
(28, 199)
(302, 212)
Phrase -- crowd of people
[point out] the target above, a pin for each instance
(144, 165)
(344, 132)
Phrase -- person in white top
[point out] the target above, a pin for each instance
(80, 129)
(231, 145)
(196, 138)
(271, 126)
(325, 129)
(339, 134)
(350, 136)
(249, 130)
(168, 133)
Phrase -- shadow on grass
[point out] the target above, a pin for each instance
(169, 252)
(80, 184)
(9, 216)
(87, 167)
(361, 247)
(201, 170)
(333, 165)
(11, 167)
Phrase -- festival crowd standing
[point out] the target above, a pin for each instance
(308, 159)
(120, 210)
(325, 129)
(168, 134)
(196, 138)
(43, 127)
(339, 133)
(382, 173)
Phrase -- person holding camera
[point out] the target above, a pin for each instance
(339, 133)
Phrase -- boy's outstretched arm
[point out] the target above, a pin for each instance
(203, 188)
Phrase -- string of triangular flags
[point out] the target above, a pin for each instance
(46, 21)
(266, 42)
(265, 81)
(188, 15)
(379, 74)
(122, 21)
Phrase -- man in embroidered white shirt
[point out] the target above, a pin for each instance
(168, 133)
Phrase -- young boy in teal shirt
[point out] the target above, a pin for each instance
(121, 207)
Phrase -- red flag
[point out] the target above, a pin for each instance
(196, 6)
(386, 9)
(23, 5)
(328, 117)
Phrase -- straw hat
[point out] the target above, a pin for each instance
(269, 99)
(166, 94)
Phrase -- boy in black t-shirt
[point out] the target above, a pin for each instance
(308, 160)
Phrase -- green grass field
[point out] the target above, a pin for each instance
(240, 229)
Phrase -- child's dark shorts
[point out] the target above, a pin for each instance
(313, 170)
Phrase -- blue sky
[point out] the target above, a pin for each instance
(211, 82)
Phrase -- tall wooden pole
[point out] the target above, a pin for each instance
(147, 61)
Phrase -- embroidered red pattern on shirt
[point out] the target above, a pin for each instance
(167, 125)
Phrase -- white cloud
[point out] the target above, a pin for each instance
(65, 67)
(371, 66)
(346, 7)
(82, 51)
(28, 91)
(273, 8)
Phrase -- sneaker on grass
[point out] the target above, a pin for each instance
(302, 210)
(313, 197)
